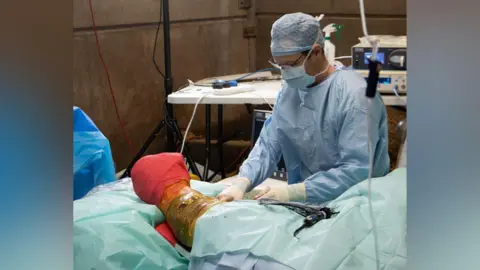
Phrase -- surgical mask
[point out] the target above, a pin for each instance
(297, 77)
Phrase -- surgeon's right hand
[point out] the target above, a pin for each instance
(236, 191)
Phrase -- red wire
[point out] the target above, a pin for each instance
(238, 157)
(108, 79)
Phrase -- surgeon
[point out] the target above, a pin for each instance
(318, 125)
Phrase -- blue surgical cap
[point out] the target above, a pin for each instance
(294, 33)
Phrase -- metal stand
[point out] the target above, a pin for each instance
(208, 143)
(220, 139)
(173, 132)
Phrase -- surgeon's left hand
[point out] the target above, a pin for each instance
(275, 193)
(295, 192)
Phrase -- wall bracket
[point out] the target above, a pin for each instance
(249, 31)
(244, 4)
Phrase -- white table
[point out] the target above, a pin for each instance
(265, 91)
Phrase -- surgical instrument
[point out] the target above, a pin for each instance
(313, 214)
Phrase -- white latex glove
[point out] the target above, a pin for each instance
(288, 193)
(236, 191)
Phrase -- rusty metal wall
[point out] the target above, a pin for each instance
(206, 40)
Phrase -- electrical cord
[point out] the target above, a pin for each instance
(206, 94)
(112, 93)
(370, 40)
(195, 110)
(250, 74)
(238, 158)
(191, 120)
(240, 78)
(395, 91)
(264, 98)
(370, 172)
(155, 42)
(343, 57)
(374, 45)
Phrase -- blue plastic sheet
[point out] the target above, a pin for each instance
(92, 158)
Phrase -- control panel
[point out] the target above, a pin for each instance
(392, 58)
(389, 81)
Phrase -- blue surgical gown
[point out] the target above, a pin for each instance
(323, 136)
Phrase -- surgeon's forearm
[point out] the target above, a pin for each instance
(256, 170)
(260, 164)
(263, 158)
(326, 186)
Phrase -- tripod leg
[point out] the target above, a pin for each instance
(144, 148)
(186, 151)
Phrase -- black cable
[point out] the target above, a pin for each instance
(300, 208)
(155, 43)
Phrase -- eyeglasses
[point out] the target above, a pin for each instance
(295, 63)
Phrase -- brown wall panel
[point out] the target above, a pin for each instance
(121, 12)
(346, 7)
(199, 50)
